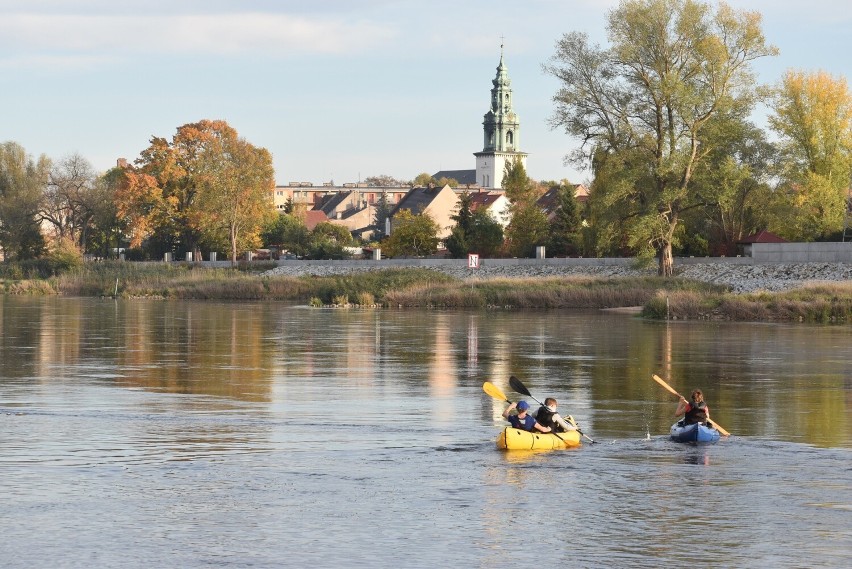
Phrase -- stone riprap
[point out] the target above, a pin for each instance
(739, 277)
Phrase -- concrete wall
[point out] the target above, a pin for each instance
(802, 252)
(761, 253)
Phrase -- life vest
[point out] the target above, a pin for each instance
(696, 414)
(544, 416)
(525, 424)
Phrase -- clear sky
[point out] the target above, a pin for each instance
(334, 89)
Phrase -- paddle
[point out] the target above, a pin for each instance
(670, 389)
(496, 393)
(518, 386)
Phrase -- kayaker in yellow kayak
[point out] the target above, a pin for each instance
(547, 416)
(523, 420)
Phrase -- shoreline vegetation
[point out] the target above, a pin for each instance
(659, 298)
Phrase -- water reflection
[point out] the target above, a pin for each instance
(789, 381)
(248, 434)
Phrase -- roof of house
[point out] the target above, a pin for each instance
(417, 199)
(331, 202)
(483, 200)
(314, 218)
(763, 237)
(465, 177)
(549, 200)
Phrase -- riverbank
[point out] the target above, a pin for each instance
(813, 292)
(739, 278)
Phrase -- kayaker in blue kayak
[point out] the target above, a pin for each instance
(547, 416)
(695, 411)
(523, 420)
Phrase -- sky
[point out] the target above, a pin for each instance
(336, 90)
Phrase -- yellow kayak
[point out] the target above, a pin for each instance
(516, 439)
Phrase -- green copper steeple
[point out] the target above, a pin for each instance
(502, 126)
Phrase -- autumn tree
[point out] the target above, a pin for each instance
(205, 186)
(412, 235)
(641, 106)
(812, 114)
(235, 184)
(22, 182)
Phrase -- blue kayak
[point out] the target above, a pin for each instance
(695, 433)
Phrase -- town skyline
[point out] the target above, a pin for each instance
(336, 91)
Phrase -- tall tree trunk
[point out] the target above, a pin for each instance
(666, 268)
(233, 232)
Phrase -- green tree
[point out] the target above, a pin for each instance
(412, 235)
(444, 181)
(22, 182)
(384, 181)
(485, 236)
(382, 211)
(527, 230)
(327, 241)
(812, 114)
(641, 107)
(425, 180)
(107, 233)
(289, 233)
(528, 226)
(337, 233)
(457, 242)
(564, 229)
(733, 182)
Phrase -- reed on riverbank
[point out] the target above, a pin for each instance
(659, 298)
(187, 281)
(543, 293)
(816, 302)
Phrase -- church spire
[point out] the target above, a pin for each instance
(501, 124)
(501, 130)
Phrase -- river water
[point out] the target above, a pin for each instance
(207, 434)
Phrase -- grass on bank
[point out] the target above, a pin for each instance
(418, 287)
(542, 293)
(816, 302)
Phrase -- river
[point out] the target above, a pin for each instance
(208, 434)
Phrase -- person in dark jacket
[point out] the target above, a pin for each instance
(547, 416)
(523, 420)
(695, 411)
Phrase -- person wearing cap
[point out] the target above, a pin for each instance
(547, 416)
(523, 420)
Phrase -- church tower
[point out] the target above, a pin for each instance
(502, 133)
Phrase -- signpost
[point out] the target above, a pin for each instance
(472, 261)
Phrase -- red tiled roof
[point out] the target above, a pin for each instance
(763, 237)
(313, 218)
(482, 199)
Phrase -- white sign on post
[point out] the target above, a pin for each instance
(472, 261)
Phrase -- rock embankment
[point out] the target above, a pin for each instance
(739, 277)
